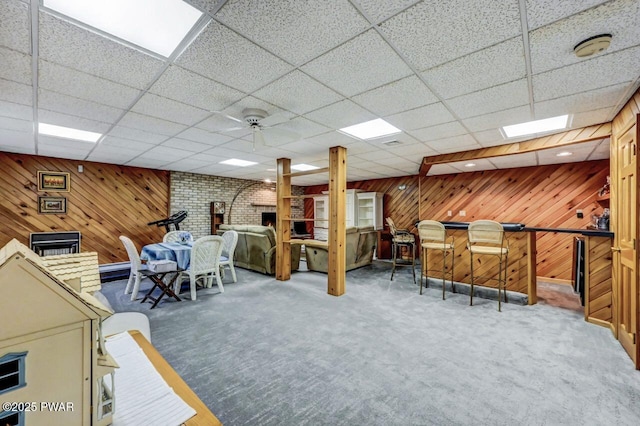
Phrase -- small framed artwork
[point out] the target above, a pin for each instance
(218, 207)
(53, 181)
(52, 205)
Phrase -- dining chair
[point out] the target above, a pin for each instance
(402, 238)
(133, 285)
(486, 237)
(433, 236)
(228, 250)
(204, 264)
(177, 236)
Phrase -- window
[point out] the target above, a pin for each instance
(12, 418)
(12, 372)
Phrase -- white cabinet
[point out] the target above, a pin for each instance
(369, 209)
(363, 209)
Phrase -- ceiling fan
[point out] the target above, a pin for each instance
(263, 135)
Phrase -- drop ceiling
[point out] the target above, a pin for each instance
(449, 74)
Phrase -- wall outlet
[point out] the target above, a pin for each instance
(449, 213)
(463, 213)
(579, 214)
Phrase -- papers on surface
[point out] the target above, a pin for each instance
(142, 397)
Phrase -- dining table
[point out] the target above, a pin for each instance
(178, 252)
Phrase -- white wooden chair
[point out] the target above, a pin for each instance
(228, 250)
(204, 264)
(133, 285)
(176, 236)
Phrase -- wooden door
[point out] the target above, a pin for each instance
(625, 227)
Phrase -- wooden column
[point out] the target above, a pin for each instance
(283, 217)
(337, 220)
(532, 284)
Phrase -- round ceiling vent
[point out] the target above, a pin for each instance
(592, 45)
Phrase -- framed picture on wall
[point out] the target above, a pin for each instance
(53, 181)
(52, 205)
(218, 207)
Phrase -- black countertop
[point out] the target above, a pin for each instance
(520, 227)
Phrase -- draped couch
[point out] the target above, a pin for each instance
(360, 246)
(256, 249)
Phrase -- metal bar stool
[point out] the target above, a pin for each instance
(486, 237)
(402, 238)
(433, 236)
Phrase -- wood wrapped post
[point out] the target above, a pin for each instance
(337, 220)
(283, 217)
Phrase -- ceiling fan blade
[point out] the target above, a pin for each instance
(258, 138)
(230, 117)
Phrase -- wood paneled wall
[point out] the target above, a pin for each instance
(543, 196)
(105, 201)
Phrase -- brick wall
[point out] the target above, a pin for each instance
(195, 192)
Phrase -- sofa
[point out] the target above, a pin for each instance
(360, 247)
(256, 249)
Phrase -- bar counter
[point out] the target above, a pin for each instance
(521, 269)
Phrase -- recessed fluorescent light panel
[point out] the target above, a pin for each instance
(67, 133)
(303, 167)
(537, 126)
(236, 162)
(371, 129)
(156, 25)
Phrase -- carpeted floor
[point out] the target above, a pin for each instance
(285, 353)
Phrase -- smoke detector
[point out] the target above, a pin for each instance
(592, 45)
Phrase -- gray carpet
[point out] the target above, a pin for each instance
(285, 353)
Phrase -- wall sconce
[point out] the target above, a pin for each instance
(402, 187)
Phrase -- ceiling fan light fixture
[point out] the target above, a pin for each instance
(592, 45)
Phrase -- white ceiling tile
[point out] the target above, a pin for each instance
(491, 137)
(579, 152)
(552, 45)
(16, 141)
(67, 44)
(218, 53)
(442, 169)
(312, 28)
(112, 144)
(401, 95)
(170, 110)
(204, 136)
(299, 126)
(298, 92)
(25, 126)
(498, 98)
(84, 86)
(137, 135)
(379, 10)
(527, 159)
(498, 119)
(480, 165)
(445, 130)
(147, 163)
(589, 74)
(432, 33)
(62, 143)
(15, 22)
(377, 155)
(186, 145)
(117, 157)
(151, 124)
(410, 166)
(341, 114)
(454, 144)
(543, 12)
(588, 118)
(16, 66)
(360, 64)
(221, 123)
(601, 151)
(79, 107)
(419, 118)
(414, 151)
(188, 164)
(193, 89)
(9, 109)
(73, 121)
(16, 92)
(320, 143)
(165, 153)
(495, 65)
(58, 152)
(581, 102)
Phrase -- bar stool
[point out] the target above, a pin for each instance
(491, 234)
(402, 238)
(433, 236)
